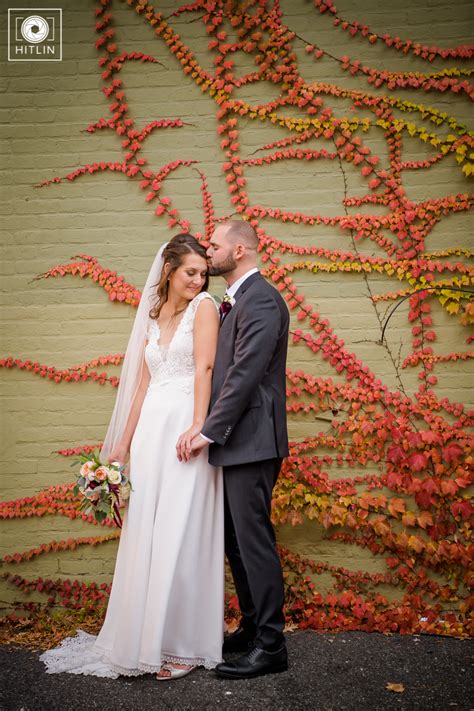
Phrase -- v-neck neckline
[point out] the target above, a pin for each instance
(170, 342)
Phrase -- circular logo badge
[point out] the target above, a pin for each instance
(34, 29)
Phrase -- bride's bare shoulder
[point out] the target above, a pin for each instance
(205, 301)
(206, 309)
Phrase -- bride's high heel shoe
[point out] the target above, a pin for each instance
(174, 672)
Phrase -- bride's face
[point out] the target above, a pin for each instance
(188, 279)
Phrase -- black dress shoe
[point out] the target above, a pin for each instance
(257, 662)
(239, 641)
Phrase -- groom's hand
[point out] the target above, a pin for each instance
(197, 444)
(183, 445)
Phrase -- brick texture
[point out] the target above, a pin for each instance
(44, 110)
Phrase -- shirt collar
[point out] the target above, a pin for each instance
(232, 290)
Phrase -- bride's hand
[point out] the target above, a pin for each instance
(119, 454)
(183, 445)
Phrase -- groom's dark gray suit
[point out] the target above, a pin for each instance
(247, 423)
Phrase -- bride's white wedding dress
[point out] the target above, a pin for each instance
(167, 597)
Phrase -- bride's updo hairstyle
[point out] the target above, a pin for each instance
(174, 253)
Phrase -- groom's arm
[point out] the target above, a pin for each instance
(257, 335)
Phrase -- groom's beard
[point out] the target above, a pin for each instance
(224, 267)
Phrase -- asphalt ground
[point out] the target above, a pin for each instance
(328, 672)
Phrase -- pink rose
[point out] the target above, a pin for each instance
(86, 469)
(101, 473)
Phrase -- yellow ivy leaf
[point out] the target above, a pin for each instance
(409, 519)
(398, 688)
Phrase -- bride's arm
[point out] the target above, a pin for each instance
(121, 451)
(206, 331)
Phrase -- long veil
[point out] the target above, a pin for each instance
(133, 362)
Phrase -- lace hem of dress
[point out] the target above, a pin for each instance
(143, 668)
(155, 668)
(194, 661)
(82, 655)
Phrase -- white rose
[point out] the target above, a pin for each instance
(114, 476)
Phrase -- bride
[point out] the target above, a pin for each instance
(166, 607)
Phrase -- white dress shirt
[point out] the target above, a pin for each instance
(231, 291)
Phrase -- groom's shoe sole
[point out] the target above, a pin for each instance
(262, 672)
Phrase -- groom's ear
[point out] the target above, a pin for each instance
(239, 250)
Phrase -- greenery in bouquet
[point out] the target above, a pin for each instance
(103, 487)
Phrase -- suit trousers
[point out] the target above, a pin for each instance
(250, 548)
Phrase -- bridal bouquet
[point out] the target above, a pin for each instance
(104, 488)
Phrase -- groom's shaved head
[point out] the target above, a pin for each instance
(232, 249)
(241, 231)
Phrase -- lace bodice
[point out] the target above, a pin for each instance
(174, 361)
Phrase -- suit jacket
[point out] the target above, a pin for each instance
(247, 417)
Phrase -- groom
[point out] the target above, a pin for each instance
(246, 429)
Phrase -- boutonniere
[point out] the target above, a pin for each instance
(228, 299)
(226, 306)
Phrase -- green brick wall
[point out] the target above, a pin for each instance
(44, 110)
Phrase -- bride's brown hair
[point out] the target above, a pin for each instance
(176, 249)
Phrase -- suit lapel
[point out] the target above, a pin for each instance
(247, 284)
(240, 291)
